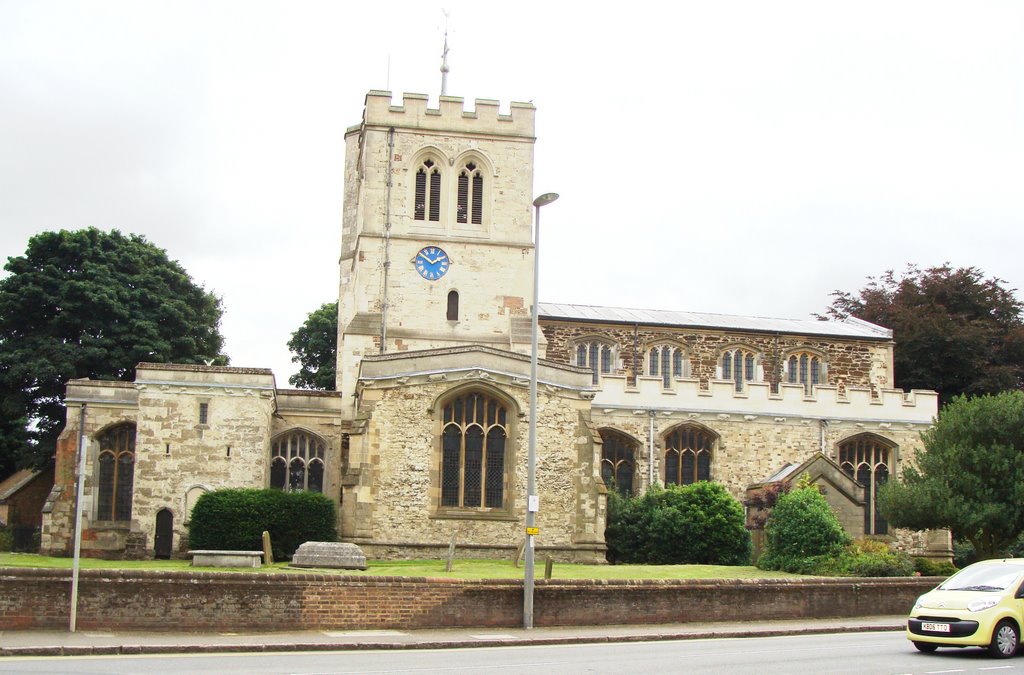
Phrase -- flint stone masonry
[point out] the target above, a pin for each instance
(118, 600)
(329, 554)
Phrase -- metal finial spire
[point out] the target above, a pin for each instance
(444, 57)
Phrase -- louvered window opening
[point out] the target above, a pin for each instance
(297, 463)
(116, 475)
(474, 437)
(665, 361)
(739, 365)
(470, 198)
(805, 369)
(866, 460)
(598, 357)
(688, 456)
(428, 193)
(618, 461)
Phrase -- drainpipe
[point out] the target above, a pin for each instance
(650, 446)
(387, 247)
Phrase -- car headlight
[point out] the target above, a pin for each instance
(918, 604)
(980, 605)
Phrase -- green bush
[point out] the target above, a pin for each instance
(927, 567)
(692, 524)
(6, 539)
(801, 526)
(234, 520)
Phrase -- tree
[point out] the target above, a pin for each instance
(802, 525)
(315, 347)
(969, 477)
(93, 304)
(956, 332)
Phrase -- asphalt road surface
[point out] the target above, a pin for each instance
(860, 653)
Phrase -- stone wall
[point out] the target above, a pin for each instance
(36, 599)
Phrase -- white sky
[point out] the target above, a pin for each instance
(733, 157)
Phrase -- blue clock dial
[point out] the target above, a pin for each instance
(432, 263)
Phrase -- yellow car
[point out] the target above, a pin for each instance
(982, 605)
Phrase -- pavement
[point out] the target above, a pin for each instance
(92, 642)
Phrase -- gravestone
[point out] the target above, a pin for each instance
(330, 554)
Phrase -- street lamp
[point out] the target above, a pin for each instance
(532, 502)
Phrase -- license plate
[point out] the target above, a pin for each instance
(935, 627)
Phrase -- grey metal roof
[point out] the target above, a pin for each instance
(850, 328)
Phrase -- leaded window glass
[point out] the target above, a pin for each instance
(618, 463)
(866, 458)
(739, 366)
(598, 356)
(807, 369)
(297, 462)
(688, 452)
(474, 440)
(116, 473)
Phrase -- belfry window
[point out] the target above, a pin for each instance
(618, 461)
(116, 474)
(865, 458)
(599, 357)
(688, 455)
(806, 369)
(474, 440)
(297, 462)
(740, 366)
(428, 192)
(453, 306)
(666, 361)
(470, 199)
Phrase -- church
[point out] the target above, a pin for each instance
(424, 442)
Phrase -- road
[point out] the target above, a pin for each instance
(860, 653)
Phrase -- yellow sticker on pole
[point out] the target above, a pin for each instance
(533, 530)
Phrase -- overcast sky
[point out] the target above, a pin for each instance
(731, 157)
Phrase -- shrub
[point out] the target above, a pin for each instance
(6, 539)
(234, 520)
(802, 525)
(927, 567)
(692, 524)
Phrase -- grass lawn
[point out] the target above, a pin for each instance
(461, 569)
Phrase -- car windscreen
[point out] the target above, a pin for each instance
(994, 577)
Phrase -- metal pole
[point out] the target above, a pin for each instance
(532, 502)
(80, 472)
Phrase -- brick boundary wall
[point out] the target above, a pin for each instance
(125, 600)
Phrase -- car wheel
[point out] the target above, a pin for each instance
(926, 647)
(1005, 640)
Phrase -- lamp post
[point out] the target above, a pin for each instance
(532, 502)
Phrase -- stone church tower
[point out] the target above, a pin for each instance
(436, 232)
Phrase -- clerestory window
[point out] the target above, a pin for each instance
(474, 452)
(116, 474)
(428, 192)
(688, 452)
(805, 368)
(667, 362)
(598, 356)
(297, 462)
(470, 197)
(866, 458)
(740, 366)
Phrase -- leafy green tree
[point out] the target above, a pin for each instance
(969, 477)
(801, 526)
(93, 304)
(956, 332)
(315, 347)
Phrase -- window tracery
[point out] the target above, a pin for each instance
(618, 461)
(688, 454)
(297, 462)
(116, 473)
(474, 449)
(866, 458)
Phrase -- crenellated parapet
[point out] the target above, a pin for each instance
(825, 402)
(450, 115)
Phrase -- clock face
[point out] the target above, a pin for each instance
(432, 263)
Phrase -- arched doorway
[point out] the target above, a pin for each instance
(164, 540)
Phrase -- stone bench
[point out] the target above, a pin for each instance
(226, 558)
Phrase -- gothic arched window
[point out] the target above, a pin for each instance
(688, 455)
(474, 452)
(805, 368)
(470, 197)
(740, 366)
(618, 461)
(598, 356)
(866, 459)
(297, 462)
(666, 361)
(428, 192)
(116, 473)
